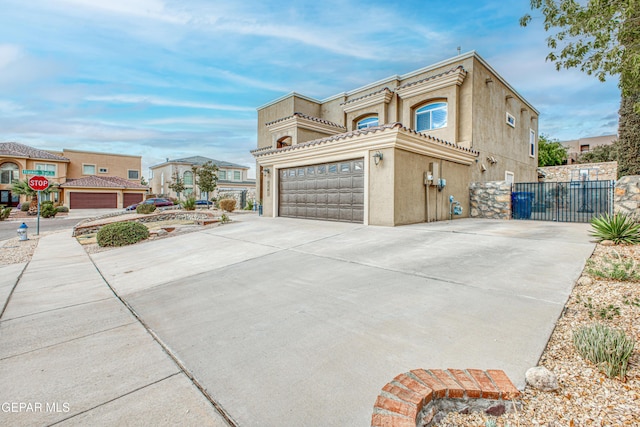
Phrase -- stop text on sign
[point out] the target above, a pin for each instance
(38, 183)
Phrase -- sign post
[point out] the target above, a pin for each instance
(38, 183)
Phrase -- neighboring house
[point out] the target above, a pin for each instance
(576, 147)
(84, 179)
(231, 177)
(394, 151)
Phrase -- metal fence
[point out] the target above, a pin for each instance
(574, 201)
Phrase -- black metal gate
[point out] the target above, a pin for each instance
(574, 201)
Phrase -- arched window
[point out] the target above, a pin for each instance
(285, 141)
(188, 178)
(8, 173)
(431, 116)
(367, 122)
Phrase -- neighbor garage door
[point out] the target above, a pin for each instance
(93, 200)
(131, 198)
(329, 191)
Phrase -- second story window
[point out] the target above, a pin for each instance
(236, 176)
(431, 116)
(368, 122)
(222, 175)
(187, 178)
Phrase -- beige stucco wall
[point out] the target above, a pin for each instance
(381, 187)
(493, 137)
(410, 196)
(116, 164)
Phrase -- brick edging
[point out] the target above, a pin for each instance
(420, 395)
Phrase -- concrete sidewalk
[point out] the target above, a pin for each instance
(72, 353)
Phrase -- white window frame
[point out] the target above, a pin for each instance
(367, 122)
(511, 120)
(47, 167)
(509, 177)
(133, 170)
(427, 110)
(532, 143)
(239, 174)
(85, 165)
(221, 176)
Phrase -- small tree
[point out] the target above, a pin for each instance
(176, 184)
(208, 178)
(550, 152)
(143, 181)
(601, 153)
(22, 188)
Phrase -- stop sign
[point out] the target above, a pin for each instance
(38, 183)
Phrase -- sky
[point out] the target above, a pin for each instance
(170, 79)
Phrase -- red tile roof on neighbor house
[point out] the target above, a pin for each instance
(13, 149)
(103, 182)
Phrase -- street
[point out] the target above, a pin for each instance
(8, 228)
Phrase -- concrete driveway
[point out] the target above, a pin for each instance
(296, 322)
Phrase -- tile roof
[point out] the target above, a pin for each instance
(200, 160)
(268, 150)
(444, 73)
(103, 182)
(308, 117)
(14, 149)
(384, 89)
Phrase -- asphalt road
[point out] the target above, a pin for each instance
(8, 229)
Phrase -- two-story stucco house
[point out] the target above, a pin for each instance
(394, 151)
(231, 176)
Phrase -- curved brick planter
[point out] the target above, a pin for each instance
(418, 397)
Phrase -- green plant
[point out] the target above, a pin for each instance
(631, 302)
(4, 213)
(122, 233)
(24, 207)
(249, 206)
(618, 228)
(189, 204)
(224, 219)
(605, 312)
(228, 205)
(62, 209)
(145, 208)
(609, 349)
(620, 268)
(47, 210)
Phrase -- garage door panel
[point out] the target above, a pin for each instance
(79, 200)
(330, 191)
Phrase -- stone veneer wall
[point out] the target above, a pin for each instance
(606, 171)
(490, 200)
(626, 196)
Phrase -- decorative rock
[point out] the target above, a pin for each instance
(161, 233)
(585, 281)
(607, 243)
(541, 378)
(496, 410)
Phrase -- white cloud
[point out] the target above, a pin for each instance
(9, 54)
(150, 9)
(164, 102)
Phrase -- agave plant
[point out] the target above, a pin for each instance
(618, 228)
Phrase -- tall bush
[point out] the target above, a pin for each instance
(228, 205)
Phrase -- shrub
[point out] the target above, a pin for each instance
(62, 209)
(189, 204)
(47, 210)
(224, 219)
(228, 205)
(24, 207)
(620, 268)
(618, 228)
(122, 233)
(4, 213)
(249, 206)
(145, 208)
(609, 349)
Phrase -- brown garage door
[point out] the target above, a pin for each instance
(329, 191)
(131, 198)
(93, 200)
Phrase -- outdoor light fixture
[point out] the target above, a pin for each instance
(22, 232)
(266, 171)
(377, 158)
